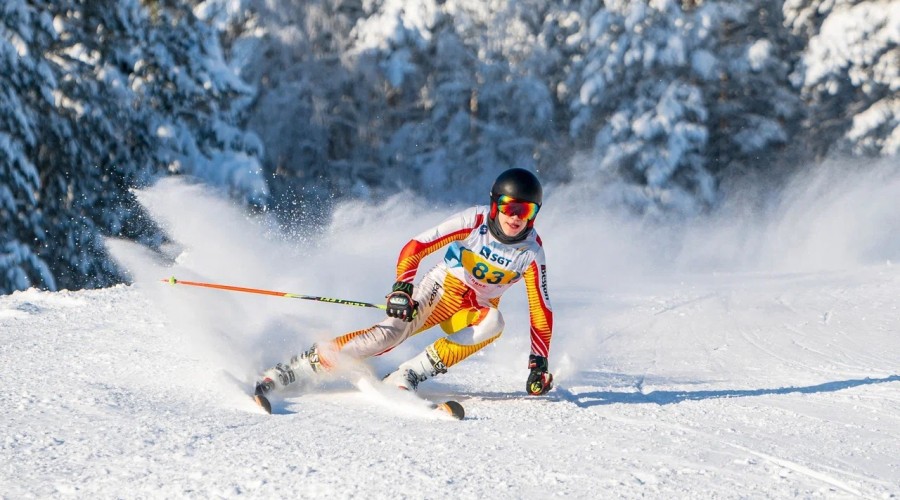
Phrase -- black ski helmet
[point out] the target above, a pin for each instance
(520, 184)
(516, 183)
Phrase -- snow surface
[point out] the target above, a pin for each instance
(747, 382)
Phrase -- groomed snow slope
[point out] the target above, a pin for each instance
(691, 385)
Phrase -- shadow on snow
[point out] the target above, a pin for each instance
(588, 399)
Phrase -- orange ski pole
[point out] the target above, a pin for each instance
(231, 288)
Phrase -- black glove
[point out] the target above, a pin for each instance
(539, 380)
(400, 303)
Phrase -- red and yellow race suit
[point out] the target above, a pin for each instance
(461, 293)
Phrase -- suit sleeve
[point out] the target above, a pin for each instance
(456, 227)
(540, 312)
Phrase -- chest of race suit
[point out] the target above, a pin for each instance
(487, 265)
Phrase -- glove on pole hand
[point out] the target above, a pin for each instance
(539, 380)
(400, 303)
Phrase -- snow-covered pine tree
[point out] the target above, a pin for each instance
(318, 117)
(754, 111)
(849, 74)
(104, 95)
(26, 84)
(461, 112)
(96, 143)
(637, 101)
(199, 101)
(675, 96)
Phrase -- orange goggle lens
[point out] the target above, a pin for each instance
(510, 207)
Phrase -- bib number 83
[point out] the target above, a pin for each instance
(483, 272)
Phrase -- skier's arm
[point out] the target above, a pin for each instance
(400, 303)
(539, 378)
(456, 227)
(541, 315)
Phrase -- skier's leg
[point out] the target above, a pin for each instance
(481, 327)
(391, 332)
(360, 344)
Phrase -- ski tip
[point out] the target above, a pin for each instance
(263, 403)
(455, 409)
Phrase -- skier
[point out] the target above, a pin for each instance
(489, 248)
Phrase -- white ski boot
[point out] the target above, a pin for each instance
(409, 374)
(303, 367)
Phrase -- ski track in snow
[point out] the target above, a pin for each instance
(775, 387)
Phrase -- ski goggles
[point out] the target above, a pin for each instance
(510, 207)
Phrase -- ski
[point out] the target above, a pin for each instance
(259, 394)
(386, 395)
(455, 409)
(450, 407)
(263, 402)
(410, 400)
